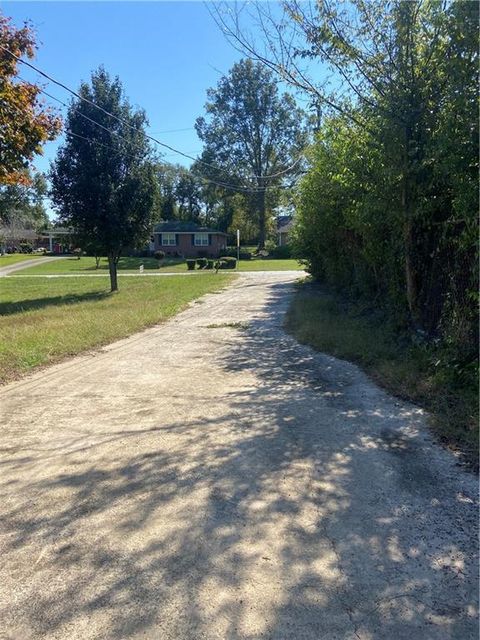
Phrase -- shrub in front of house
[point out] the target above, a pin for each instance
(210, 264)
(26, 247)
(231, 252)
(226, 263)
(77, 253)
(159, 255)
(191, 264)
(202, 263)
(283, 253)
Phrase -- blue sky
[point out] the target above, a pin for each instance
(166, 53)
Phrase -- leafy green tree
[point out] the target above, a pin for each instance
(255, 134)
(22, 203)
(389, 207)
(103, 182)
(188, 195)
(398, 72)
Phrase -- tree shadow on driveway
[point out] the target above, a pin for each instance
(309, 505)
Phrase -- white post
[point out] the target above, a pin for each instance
(50, 242)
(238, 247)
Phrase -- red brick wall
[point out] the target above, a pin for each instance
(186, 248)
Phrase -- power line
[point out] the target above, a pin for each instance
(121, 120)
(175, 130)
(130, 142)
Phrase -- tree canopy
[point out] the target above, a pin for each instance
(25, 121)
(103, 180)
(253, 133)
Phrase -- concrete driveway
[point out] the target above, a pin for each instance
(24, 264)
(212, 479)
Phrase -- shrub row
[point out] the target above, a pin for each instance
(201, 263)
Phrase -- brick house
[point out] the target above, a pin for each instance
(188, 240)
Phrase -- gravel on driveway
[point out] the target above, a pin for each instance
(210, 478)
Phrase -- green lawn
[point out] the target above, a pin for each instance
(333, 325)
(87, 265)
(267, 264)
(12, 258)
(42, 321)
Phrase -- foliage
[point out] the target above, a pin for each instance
(202, 263)
(232, 252)
(103, 181)
(226, 263)
(253, 133)
(25, 122)
(159, 255)
(191, 263)
(77, 252)
(282, 252)
(388, 210)
(21, 204)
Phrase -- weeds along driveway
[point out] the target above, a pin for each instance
(212, 478)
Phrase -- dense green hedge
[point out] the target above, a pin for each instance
(388, 210)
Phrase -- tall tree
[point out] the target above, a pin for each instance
(401, 71)
(103, 180)
(25, 122)
(253, 132)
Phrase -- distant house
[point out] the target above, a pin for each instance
(284, 227)
(188, 239)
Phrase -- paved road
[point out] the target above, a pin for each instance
(212, 479)
(18, 266)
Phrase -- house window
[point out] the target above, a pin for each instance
(201, 239)
(169, 240)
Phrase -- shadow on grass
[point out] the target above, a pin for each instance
(20, 306)
(294, 509)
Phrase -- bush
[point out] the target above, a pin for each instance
(77, 253)
(232, 253)
(226, 263)
(159, 255)
(284, 252)
(191, 264)
(202, 263)
(26, 247)
(270, 246)
(210, 264)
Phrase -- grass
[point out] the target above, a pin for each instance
(13, 258)
(43, 321)
(332, 325)
(87, 265)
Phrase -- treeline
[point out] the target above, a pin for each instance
(389, 208)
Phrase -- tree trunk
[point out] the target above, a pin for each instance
(112, 267)
(410, 276)
(97, 261)
(262, 221)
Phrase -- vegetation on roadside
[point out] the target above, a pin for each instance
(389, 209)
(42, 321)
(422, 372)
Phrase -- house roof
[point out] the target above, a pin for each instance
(174, 226)
(284, 224)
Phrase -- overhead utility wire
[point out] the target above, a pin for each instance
(130, 142)
(185, 155)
